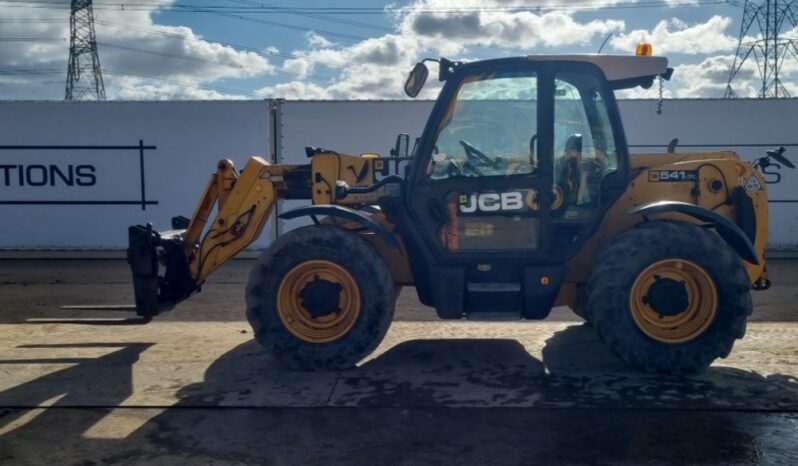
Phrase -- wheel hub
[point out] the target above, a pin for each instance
(321, 297)
(318, 301)
(667, 296)
(674, 300)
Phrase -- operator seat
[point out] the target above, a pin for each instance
(567, 170)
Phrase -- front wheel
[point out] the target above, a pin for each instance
(320, 298)
(669, 296)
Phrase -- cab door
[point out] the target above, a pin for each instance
(480, 188)
(509, 182)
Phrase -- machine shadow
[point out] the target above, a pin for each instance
(576, 371)
(83, 382)
(584, 406)
(250, 409)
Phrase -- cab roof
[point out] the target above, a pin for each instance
(621, 71)
(617, 67)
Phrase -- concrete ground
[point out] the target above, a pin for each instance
(86, 388)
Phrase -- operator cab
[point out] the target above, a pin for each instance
(518, 163)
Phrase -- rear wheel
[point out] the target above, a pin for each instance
(669, 296)
(320, 298)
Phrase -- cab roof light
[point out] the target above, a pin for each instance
(644, 49)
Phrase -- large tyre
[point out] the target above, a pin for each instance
(320, 298)
(669, 296)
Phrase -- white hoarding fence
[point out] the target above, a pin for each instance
(75, 175)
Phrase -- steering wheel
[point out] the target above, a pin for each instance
(456, 168)
(475, 156)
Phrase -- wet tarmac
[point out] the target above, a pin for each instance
(200, 391)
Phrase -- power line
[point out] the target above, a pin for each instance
(286, 26)
(181, 82)
(376, 27)
(299, 12)
(312, 12)
(357, 10)
(42, 72)
(24, 72)
(239, 47)
(33, 20)
(317, 78)
(256, 20)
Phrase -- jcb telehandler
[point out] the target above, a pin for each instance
(520, 195)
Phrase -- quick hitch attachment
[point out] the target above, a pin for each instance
(148, 252)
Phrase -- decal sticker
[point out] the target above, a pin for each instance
(478, 229)
(507, 202)
(656, 176)
(363, 172)
(753, 184)
(520, 201)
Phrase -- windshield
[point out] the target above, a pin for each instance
(489, 128)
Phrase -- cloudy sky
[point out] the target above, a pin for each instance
(353, 49)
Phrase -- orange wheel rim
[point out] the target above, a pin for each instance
(559, 198)
(298, 316)
(701, 301)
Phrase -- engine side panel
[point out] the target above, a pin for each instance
(707, 179)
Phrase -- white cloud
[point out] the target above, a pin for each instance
(359, 81)
(522, 30)
(709, 77)
(128, 42)
(316, 40)
(135, 89)
(387, 50)
(298, 67)
(705, 79)
(377, 67)
(494, 26)
(676, 36)
(373, 68)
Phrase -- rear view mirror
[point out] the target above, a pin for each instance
(416, 79)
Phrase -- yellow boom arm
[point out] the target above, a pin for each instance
(244, 202)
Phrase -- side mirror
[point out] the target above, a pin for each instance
(402, 146)
(416, 79)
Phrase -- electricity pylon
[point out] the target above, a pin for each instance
(84, 76)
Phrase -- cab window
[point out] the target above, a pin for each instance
(489, 128)
(584, 147)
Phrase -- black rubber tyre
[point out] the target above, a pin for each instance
(347, 250)
(611, 282)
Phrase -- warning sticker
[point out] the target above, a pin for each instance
(753, 184)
